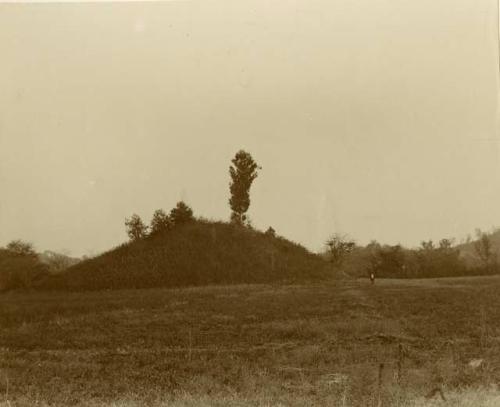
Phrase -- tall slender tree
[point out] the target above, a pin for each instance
(243, 172)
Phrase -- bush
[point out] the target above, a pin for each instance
(20, 270)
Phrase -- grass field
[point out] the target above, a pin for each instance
(255, 345)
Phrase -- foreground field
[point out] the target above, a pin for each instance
(260, 345)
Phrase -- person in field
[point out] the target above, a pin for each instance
(372, 277)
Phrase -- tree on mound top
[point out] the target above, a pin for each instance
(160, 222)
(182, 213)
(243, 172)
(270, 232)
(136, 229)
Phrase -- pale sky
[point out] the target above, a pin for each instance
(378, 119)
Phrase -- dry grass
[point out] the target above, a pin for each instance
(255, 345)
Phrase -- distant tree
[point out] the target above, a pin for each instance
(243, 172)
(445, 244)
(136, 229)
(447, 260)
(429, 245)
(483, 249)
(338, 247)
(372, 257)
(160, 222)
(182, 213)
(270, 232)
(22, 248)
(391, 261)
(442, 260)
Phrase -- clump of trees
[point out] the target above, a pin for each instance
(484, 251)
(338, 248)
(428, 260)
(161, 222)
(20, 266)
(387, 260)
(243, 172)
(21, 248)
(443, 259)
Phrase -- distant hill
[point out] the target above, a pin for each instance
(57, 262)
(197, 253)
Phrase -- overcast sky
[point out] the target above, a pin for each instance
(373, 118)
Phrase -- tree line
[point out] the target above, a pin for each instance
(430, 259)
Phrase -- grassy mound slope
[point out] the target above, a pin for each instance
(196, 253)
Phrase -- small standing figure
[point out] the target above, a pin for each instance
(372, 277)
